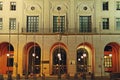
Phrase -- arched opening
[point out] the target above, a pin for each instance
(32, 59)
(85, 58)
(82, 60)
(59, 60)
(111, 57)
(6, 58)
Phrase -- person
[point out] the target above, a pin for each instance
(76, 76)
(84, 76)
(92, 76)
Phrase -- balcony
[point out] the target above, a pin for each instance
(49, 31)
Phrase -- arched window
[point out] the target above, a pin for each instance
(82, 60)
(59, 60)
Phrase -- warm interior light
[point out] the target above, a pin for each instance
(110, 55)
(8, 54)
(84, 55)
(78, 59)
(33, 54)
(59, 56)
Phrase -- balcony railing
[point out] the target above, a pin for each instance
(50, 31)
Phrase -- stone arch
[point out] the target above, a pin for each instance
(90, 51)
(31, 58)
(112, 49)
(6, 57)
(54, 47)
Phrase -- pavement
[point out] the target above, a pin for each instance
(56, 78)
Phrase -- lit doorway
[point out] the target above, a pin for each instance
(111, 57)
(82, 60)
(6, 58)
(32, 59)
(59, 61)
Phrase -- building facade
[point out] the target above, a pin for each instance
(59, 36)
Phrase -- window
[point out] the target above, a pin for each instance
(108, 61)
(1, 23)
(58, 23)
(59, 59)
(108, 58)
(10, 61)
(118, 5)
(32, 23)
(13, 6)
(85, 24)
(12, 23)
(82, 60)
(118, 23)
(105, 5)
(1, 5)
(105, 23)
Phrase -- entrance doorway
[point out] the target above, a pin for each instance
(111, 57)
(6, 58)
(32, 59)
(82, 60)
(59, 61)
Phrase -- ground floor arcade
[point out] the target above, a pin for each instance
(72, 54)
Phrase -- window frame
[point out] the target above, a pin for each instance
(1, 23)
(59, 24)
(13, 6)
(105, 24)
(12, 23)
(117, 23)
(85, 25)
(32, 24)
(1, 5)
(105, 5)
(117, 5)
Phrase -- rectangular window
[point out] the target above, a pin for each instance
(58, 23)
(13, 6)
(85, 24)
(1, 5)
(107, 61)
(105, 23)
(10, 61)
(1, 23)
(118, 5)
(105, 5)
(118, 23)
(12, 23)
(32, 23)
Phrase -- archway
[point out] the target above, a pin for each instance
(84, 58)
(6, 58)
(31, 59)
(58, 60)
(111, 57)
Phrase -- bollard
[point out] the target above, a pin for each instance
(92, 76)
(1, 77)
(84, 76)
(68, 76)
(43, 76)
(76, 76)
(18, 77)
(34, 77)
(26, 76)
(9, 76)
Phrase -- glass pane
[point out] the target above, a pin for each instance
(58, 23)
(85, 23)
(32, 23)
